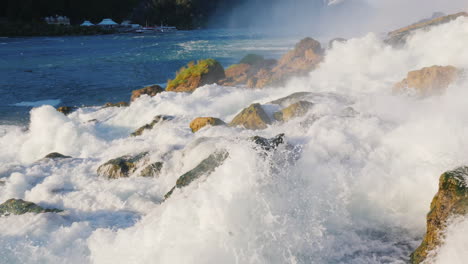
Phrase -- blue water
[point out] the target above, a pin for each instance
(93, 70)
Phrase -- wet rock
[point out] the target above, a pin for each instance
(268, 143)
(19, 207)
(2, 183)
(56, 155)
(305, 57)
(429, 81)
(252, 117)
(291, 99)
(157, 119)
(206, 167)
(336, 40)
(119, 104)
(451, 200)
(152, 170)
(66, 110)
(148, 90)
(122, 167)
(295, 110)
(399, 36)
(200, 122)
(189, 78)
(247, 70)
(237, 74)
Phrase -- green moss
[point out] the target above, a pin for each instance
(191, 70)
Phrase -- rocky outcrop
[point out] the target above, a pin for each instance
(19, 207)
(122, 167)
(451, 200)
(152, 170)
(200, 122)
(332, 42)
(399, 36)
(206, 167)
(305, 57)
(268, 144)
(66, 110)
(157, 119)
(295, 110)
(248, 70)
(430, 80)
(56, 155)
(196, 75)
(149, 90)
(119, 104)
(252, 117)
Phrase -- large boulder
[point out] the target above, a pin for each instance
(119, 104)
(252, 117)
(206, 167)
(122, 167)
(66, 110)
(156, 120)
(152, 170)
(148, 90)
(56, 155)
(294, 110)
(19, 207)
(200, 122)
(189, 78)
(451, 200)
(305, 57)
(398, 37)
(430, 80)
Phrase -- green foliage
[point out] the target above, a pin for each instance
(42, 29)
(191, 70)
(252, 59)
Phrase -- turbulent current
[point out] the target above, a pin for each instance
(353, 187)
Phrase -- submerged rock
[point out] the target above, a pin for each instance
(151, 91)
(122, 167)
(56, 155)
(66, 110)
(252, 117)
(152, 170)
(398, 37)
(429, 80)
(268, 143)
(19, 207)
(157, 119)
(189, 78)
(450, 200)
(119, 104)
(206, 167)
(200, 122)
(295, 110)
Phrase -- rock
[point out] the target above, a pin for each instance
(291, 99)
(19, 207)
(428, 81)
(252, 117)
(200, 122)
(122, 167)
(336, 40)
(196, 75)
(399, 36)
(2, 183)
(268, 143)
(152, 170)
(295, 110)
(119, 104)
(237, 74)
(252, 59)
(157, 119)
(56, 155)
(66, 110)
(206, 167)
(450, 200)
(305, 57)
(148, 90)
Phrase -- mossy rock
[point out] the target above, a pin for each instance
(252, 59)
(119, 104)
(200, 122)
(157, 119)
(19, 207)
(252, 117)
(189, 78)
(268, 143)
(122, 167)
(152, 170)
(295, 110)
(66, 110)
(450, 200)
(206, 167)
(151, 91)
(56, 155)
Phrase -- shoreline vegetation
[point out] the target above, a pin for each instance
(21, 29)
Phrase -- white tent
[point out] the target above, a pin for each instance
(108, 22)
(87, 24)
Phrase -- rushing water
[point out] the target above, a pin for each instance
(93, 70)
(352, 183)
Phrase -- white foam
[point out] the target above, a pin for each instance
(53, 102)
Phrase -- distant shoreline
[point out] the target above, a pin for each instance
(20, 29)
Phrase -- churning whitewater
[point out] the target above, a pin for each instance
(352, 183)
